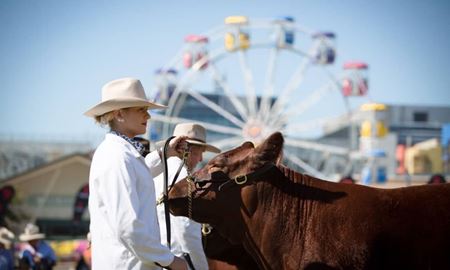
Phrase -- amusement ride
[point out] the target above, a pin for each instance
(248, 78)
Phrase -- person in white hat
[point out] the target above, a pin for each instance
(185, 233)
(124, 226)
(36, 254)
(6, 254)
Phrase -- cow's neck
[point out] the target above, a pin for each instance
(285, 201)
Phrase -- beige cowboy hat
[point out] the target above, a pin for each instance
(31, 232)
(6, 237)
(122, 93)
(196, 134)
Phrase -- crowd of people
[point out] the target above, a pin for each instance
(31, 252)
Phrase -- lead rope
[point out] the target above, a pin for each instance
(189, 179)
(206, 228)
(165, 197)
(166, 191)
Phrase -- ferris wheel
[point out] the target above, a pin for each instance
(248, 78)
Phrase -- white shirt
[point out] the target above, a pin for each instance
(124, 225)
(185, 233)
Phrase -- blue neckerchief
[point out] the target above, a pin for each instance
(139, 146)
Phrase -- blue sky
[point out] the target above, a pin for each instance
(56, 55)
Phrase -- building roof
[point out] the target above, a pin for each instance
(63, 161)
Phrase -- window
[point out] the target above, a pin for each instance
(420, 117)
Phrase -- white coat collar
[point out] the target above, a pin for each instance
(118, 139)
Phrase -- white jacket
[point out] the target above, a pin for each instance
(185, 233)
(124, 225)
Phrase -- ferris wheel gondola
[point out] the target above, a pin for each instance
(255, 77)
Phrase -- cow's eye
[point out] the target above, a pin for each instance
(201, 184)
(219, 175)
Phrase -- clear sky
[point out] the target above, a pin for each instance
(57, 54)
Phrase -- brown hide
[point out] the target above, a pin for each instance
(287, 220)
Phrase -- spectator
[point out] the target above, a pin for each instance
(186, 233)
(36, 253)
(84, 260)
(6, 254)
(437, 179)
(347, 180)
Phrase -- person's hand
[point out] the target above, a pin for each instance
(177, 146)
(37, 259)
(178, 264)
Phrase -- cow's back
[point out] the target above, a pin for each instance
(405, 228)
(414, 229)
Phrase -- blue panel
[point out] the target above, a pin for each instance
(445, 135)
(381, 175)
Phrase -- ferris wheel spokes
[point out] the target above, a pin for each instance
(213, 127)
(294, 82)
(189, 78)
(307, 103)
(268, 85)
(230, 142)
(305, 126)
(213, 106)
(302, 164)
(230, 94)
(249, 86)
(296, 78)
(317, 146)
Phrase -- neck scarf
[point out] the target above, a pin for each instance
(139, 146)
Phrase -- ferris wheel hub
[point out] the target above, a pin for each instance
(255, 130)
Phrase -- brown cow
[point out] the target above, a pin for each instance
(287, 220)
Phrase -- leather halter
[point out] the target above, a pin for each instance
(238, 180)
(241, 179)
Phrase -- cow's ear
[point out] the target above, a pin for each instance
(270, 149)
(248, 144)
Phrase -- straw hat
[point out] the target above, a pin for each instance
(6, 237)
(31, 232)
(122, 93)
(196, 135)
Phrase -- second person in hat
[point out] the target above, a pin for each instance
(186, 233)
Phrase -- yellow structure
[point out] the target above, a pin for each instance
(376, 125)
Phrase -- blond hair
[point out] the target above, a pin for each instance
(105, 119)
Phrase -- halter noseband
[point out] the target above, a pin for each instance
(238, 180)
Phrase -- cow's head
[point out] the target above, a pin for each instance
(219, 200)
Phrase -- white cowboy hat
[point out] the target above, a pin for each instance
(31, 232)
(6, 237)
(122, 93)
(196, 135)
